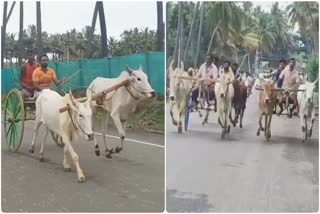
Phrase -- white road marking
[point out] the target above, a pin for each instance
(132, 140)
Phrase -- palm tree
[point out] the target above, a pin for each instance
(306, 15)
(191, 31)
(21, 34)
(103, 28)
(160, 26)
(199, 34)
(39, 41)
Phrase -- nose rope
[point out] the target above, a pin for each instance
(77, 122)
(130, 92)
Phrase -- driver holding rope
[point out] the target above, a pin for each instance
(291, 80)
(43, 75)
(207, 74)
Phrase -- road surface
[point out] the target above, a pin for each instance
(133, 181)
(242, 173)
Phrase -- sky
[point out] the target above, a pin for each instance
(266, 5)
(58, 16)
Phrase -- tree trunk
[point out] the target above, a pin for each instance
(211, 39)
(103, 28)
(191, 32)
(181, 41)
(199, 36)
(3, 32)
(160, 26)
(39, 32)
(94, 19)
(21, 51)
(176, 47)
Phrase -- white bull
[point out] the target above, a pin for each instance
(179, 93)
(119, 103)
(224, 94)
(306, 101)
(69, 125)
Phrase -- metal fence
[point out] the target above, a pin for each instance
(152, 63)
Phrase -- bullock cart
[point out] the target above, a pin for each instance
(267, 127)
(15, 115)
(203, 95)
(287, 102)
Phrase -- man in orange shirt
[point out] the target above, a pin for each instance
(43, 76)
(26, 75)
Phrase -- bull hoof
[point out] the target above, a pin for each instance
(175, 122)
(109, 151)
(223, 134)
(310, 133)
(241, 126)
(31, 150)
(228, 130)
(97, 152)
(68, 169)
(108, 156)
(268, 135)
(258, 132)
(118, 149)
(179, 129)
(234, 124)
(81, 179)
(41, 159)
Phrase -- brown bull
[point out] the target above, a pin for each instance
(267, 101)
(239, 101)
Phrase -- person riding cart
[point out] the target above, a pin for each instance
(27, 69)
(42, 77)
(207, 74)
(291, 80)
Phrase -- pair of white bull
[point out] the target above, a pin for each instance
(78, 119)
(180, 87)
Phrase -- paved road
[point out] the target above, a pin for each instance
(133, 181)
(242, 173)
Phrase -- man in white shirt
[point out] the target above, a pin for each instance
(207, 73)
(291, 80)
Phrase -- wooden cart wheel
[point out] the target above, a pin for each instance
(14, 117)
(188, 110)
(57, 139)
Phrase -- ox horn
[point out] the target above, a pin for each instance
(171, 66)
(73, 100)
(129, 69)
(182, 66)
(316, 80)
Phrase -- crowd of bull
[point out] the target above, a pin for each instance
(231, 97)
(70, 118)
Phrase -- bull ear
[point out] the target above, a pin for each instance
(73, 100)
(190, 72)
(129, 69)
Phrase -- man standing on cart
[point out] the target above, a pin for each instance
(207, 74)
(43, 76)
(27, 70)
